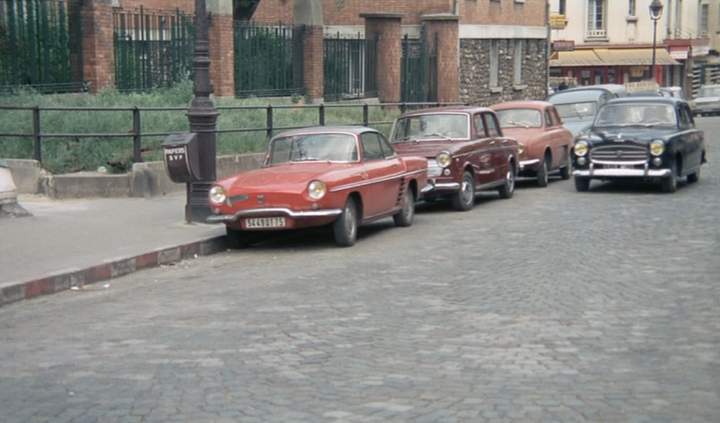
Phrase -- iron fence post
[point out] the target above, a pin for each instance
(366, 115)
(321, 114)
(37, 139)
(403, 107)
(137, 137)
(269, 121)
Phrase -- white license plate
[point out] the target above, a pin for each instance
(265, 222)
(618, 166)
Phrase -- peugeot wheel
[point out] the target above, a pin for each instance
(566, 171)
(508, 188)
(346, 226)
(464, 199)
(542, 173)
(582, 184)
(406, 214)
(669, 183)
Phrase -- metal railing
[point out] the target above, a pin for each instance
(137, 135)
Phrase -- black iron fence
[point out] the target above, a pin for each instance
(350, 67)
(268, 60)
(35, 45)
(152, 49)
(418, 69)
(38, 136)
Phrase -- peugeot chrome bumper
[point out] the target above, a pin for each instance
(622, 173)
(230, 218)
(440, 186)
(524, 164)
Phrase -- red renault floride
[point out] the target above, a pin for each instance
(339, 176)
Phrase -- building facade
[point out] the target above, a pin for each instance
(480, 51)
(613, 40)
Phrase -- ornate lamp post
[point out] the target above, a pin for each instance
(656, 8)
(203, 118)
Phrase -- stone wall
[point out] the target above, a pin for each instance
(475, 71)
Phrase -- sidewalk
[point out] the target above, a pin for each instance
(73, 242)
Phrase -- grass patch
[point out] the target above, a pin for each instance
(64, 155)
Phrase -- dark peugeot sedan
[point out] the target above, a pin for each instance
(652, 138)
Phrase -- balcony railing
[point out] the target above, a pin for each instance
(596, 34)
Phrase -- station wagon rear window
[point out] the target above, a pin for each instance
(314, 147)
(519, 118)
(576, 110)
(709, 92)
(432, 127)
(636, 114)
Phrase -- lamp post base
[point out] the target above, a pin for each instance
(197, 208)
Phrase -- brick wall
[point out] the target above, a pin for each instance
(313, 71)
(347, 12)
(446, 33)
(183, 5)
(475, 71)
(389, 48)
(222, 55)
(503, 12)
(98, 61)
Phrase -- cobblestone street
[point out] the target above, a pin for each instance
(554, 305)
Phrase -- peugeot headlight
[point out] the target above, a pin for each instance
(581, 148)
(217, 195)
(443, 159)
(521, 148)
(657, 147)
(317, 190)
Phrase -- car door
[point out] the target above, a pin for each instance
(691, 138)
(554, 134)
(498, 146)
(377, 197)
(394, 182)
(482, 157)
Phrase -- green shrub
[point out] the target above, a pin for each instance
(62, 155)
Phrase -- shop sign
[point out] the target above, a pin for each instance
(637, 71)
(700, 47)
(558, 21)
(563, 45)
(679, 53)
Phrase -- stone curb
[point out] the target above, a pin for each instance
(114, 268)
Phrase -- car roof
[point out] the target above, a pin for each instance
(673, 101)
(522, 104)
(452, 109)
(330, 129)
(612, 88)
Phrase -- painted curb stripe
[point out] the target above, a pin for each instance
(112, 269)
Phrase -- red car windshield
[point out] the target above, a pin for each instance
(432, 126)
(314, 147)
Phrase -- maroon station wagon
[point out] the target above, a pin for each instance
(466, 152)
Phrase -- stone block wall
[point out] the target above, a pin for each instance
(475, 71)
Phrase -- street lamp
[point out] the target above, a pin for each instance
(656, 8)
(202, 115)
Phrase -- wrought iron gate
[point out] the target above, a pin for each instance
(35, 45)
(419, 69)
(350, 67)
(268, 60)
(152, 49)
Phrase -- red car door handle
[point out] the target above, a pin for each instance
(363, 175)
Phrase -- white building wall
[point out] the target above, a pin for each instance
(621, 28)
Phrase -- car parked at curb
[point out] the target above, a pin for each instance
(651, 138)
(339, 176)
(466, 151)
(707, 102)
(577, 106)
(543, 143)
